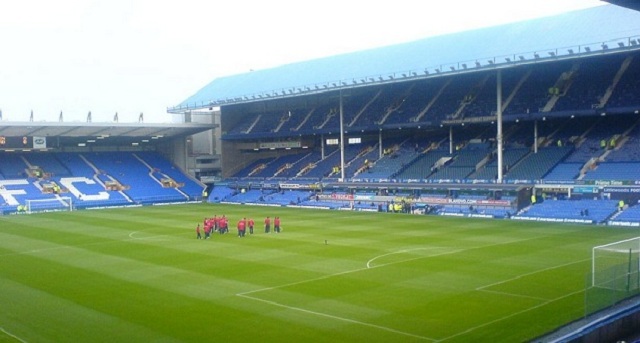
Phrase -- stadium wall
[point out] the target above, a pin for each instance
(611, 328)
(176, 152)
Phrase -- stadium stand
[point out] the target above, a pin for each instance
(420, 127)
(535, 166)
(93, 179)
(591, 211)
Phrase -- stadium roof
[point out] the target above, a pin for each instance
(597, 30)
(107, 133)
(633, 4)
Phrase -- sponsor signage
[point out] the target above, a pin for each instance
(280, 145)
(424, 200)
(585, 189)
(621, 190)
(39, 142)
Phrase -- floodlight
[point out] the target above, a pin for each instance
(464, 65)
(452, 68)
(414, 73)
(605, 46)
(437, 70)
(536, 55)
(552, 54)
(570, 51)
(478, 64)
(426, 72)
(521, 58)
(620, 44)
(507, 59)
(633, 42)
(404, 75)
(587, 49)
(490, 61)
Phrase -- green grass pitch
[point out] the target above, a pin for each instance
(139, 275)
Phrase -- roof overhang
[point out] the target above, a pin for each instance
(632, 4)
(105, 133)
(584, 33)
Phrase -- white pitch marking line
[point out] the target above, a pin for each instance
(341, 273)
(512, 294)
(131, 235)
(12, 335)
(246, 294)
(484, 288)
(301, 282)
(411, 259)
(530, 273)
(381, 265)
(165, 238)
(384, 328)
(509, 316)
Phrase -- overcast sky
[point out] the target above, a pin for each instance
(133, 56)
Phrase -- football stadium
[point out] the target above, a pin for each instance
(479, 186)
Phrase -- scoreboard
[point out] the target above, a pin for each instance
(22, 142)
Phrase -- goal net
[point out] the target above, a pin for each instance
(616, 266)
(54, 204)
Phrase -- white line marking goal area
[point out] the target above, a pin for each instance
(12, 335)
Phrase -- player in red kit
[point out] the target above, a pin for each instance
(207, 231)
(221, 225)
(224, 224)
(276, 224)
(242, 226)
(250, 223)
(267, 225)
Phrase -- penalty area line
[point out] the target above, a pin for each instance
(530, 273)
(330, 316)
(471, 329)
(369, 266)
(12, 335)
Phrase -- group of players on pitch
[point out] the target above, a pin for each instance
(221, 226)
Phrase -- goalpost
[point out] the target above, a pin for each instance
(616, 265)
(54, 204)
